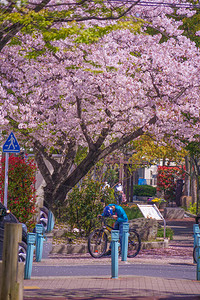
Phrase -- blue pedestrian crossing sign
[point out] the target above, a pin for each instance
(11, 145)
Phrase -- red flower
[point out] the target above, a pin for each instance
(21, 190)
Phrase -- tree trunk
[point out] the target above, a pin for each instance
(187, 189)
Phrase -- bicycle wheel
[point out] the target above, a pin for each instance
(134, 243)
(195, 254)
(97, 243)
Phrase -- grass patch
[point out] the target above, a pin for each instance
(169, 233)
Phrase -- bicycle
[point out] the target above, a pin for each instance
(98, 241)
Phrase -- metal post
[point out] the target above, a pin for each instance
(39, 242)
(114, 253)
(125, 241)
(29, 255)
(10, 288)
(164, 228)
(196, 231)
(198, 256)
(50, 223)
(6, 180)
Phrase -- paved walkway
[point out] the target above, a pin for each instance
(106, 288)
(125, 287)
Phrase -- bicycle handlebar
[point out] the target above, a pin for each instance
(103, 220)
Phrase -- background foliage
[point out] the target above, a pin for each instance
(166, 181)
(144, 190)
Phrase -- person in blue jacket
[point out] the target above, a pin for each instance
(116, 212)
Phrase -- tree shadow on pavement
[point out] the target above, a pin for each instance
(104, 294)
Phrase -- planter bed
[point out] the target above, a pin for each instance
(82, 248)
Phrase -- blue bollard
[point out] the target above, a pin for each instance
(39, 228)
(125, 241)
(196, 231)
(198, 256)
(29, 255)
(114, 253)
(50, 222)
(39, 242)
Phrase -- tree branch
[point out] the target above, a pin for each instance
(37, 145)
(96, 18)
(83, 125)
(15, 28)
(43, 168)
(94, 156)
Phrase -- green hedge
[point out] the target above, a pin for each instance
(144, 190)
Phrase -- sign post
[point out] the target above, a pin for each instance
(6, 180)
(10, 146)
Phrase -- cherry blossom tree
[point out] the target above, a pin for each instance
(48, 17)
(94, 97)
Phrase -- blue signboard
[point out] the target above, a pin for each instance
(142, 181)
(11, 145)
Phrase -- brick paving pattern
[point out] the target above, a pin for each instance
(107, 288)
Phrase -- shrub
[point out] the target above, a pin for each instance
(21, 190)
(168, 233)
(84, 204)
(192, 208)
(166, 181)
(144, 190)
(133, 212)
